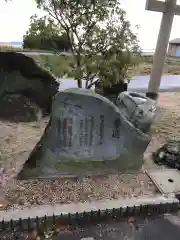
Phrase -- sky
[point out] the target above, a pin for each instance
(15, 20)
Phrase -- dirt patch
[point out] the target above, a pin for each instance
(18, 139)
(167, 124)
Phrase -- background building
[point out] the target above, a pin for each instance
(174, 48)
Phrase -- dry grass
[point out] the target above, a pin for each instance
(64, 66)
(144, 68)
(17, 140)
(8, 48)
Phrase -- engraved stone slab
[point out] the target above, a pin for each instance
(90, 131)
(86, 126)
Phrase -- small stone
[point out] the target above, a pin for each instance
(38, 201)
(131, 220)
(134, 195)
(133, 223)
(21, 188)
(21, 201)
(57, 230)
(33, 234)
(2, 170)
(3, 204)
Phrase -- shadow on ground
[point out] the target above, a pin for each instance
(151, 228)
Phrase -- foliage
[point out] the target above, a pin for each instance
(95, 30)
(43, 33)
(59, 66)
(64, 66)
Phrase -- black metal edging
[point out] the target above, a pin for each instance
(92, 217)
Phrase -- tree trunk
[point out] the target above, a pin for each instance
(79, 82)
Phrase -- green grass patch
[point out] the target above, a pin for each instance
(7, 48)
(60, 66)
(63, 66)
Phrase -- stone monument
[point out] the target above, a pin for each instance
(138, 109)
(86, 128)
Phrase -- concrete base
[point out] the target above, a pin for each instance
(88, 207)
(109, 220)
(167, 180)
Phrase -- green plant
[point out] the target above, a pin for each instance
(100, 37)
(43, 33)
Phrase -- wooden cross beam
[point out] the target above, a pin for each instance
(169, 8)
(159, 6)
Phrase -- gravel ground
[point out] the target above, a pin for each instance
(17, 141)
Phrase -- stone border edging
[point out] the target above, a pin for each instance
(73, 208)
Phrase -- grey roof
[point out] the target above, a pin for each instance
(175, 41)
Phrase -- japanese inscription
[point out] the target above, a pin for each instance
(70, 132)
(81, 132)
(91, 131)
(86, 133)
(116, 129)
(101, 129)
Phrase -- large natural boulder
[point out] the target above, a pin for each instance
(20, 74)
(87, 134)
(18, 108)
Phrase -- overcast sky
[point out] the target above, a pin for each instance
(15, 19)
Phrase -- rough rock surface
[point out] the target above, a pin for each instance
(18, 108)
(138, 109)
(169, 154)
(21, 75)
(86, 128)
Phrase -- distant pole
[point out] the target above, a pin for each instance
(169, 9)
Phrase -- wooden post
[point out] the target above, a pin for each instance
(169, 9)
